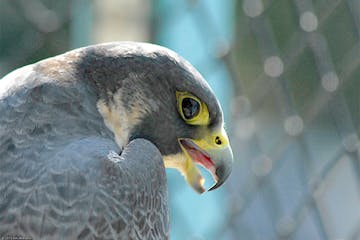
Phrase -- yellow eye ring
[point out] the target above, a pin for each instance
(192, 110)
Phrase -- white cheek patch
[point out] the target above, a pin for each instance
(177, 161)
(116, 119)
(121, 120)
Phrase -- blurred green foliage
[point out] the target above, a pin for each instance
(32, 30)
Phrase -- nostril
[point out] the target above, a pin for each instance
(218, 140)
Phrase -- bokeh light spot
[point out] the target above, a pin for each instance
(308, 21)
(262, 166)
(245, 128)
(330, 81)
(240, 106)
(253, 8)
(294, 125)
(351, 142)
(273, 66)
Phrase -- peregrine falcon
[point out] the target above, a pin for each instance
(85, 137)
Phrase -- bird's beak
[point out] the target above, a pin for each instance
(213, 152)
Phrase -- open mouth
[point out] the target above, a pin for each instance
(215, 157)
(199, 156)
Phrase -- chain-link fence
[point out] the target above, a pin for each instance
(296, 120)
(295, 69)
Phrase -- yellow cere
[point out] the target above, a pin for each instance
(219, 139)
(202, 118)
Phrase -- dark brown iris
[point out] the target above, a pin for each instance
(190, 108)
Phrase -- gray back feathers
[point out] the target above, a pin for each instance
(60, 173)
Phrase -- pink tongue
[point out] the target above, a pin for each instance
(201, 159)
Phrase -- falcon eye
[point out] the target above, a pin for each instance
(192, 110)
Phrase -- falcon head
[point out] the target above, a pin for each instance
(147, 91)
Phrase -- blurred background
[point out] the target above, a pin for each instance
(288, 75)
